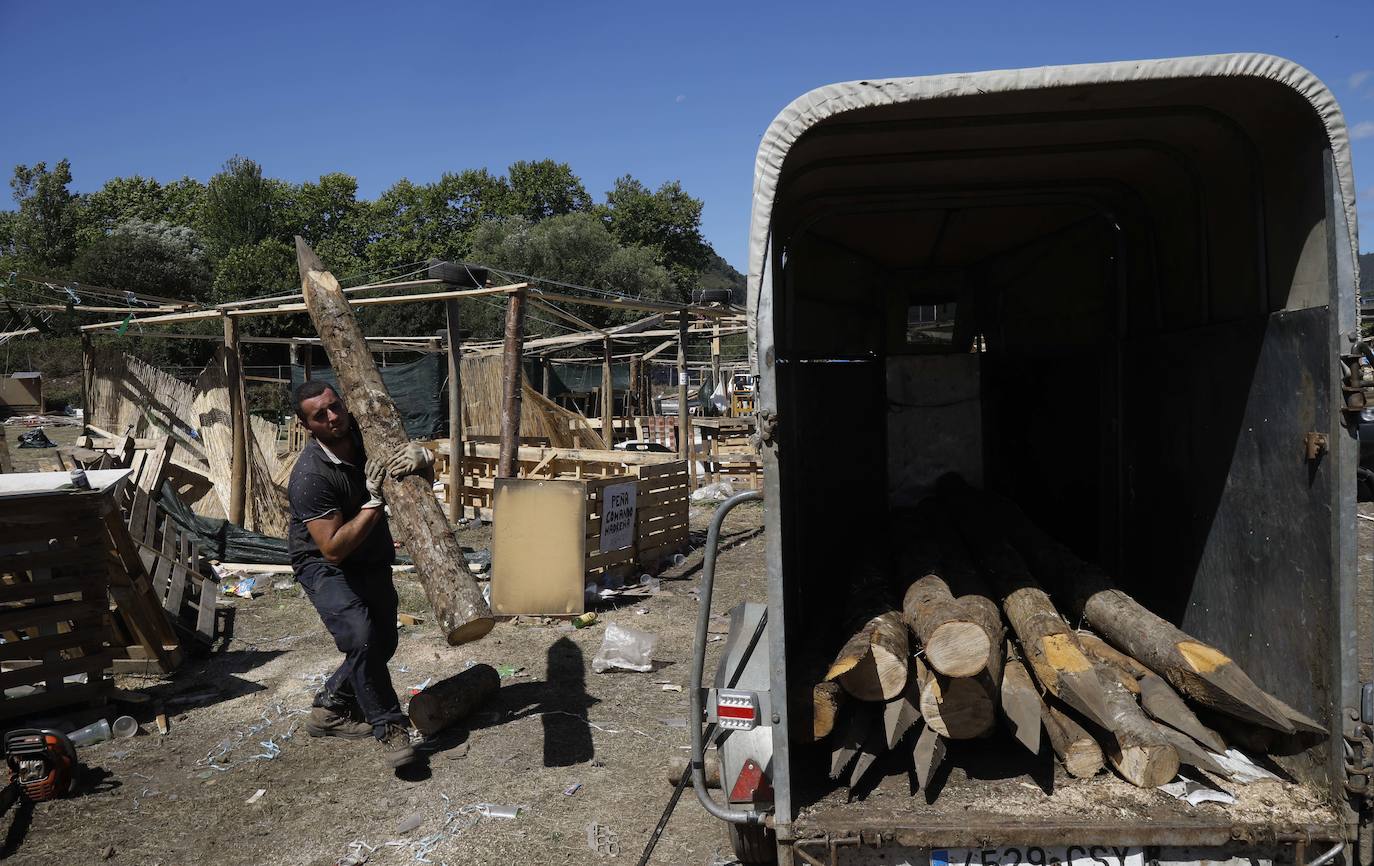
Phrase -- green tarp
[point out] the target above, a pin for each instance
(418, 389)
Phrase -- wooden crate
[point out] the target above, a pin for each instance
(479, 468)
(726, 452)
(54, 602)
(550, 539)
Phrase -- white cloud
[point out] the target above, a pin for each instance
(681, 97)
(1364, 129)
(1359, 78)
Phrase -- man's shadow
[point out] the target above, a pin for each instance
(560, 700)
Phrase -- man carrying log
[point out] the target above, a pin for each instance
(341, 552)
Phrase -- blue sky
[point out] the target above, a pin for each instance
(661, 91)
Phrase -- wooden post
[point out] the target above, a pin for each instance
(307, 361)
(607, 394)
(455, 413)
(416, 516)
(547, 369)
(87, 378)
(512, 378)
(633, 408)
(684, 423)
(715, 364)
(238, 422)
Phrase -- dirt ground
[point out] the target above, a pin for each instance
(236, 719)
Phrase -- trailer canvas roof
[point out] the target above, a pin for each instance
(848, 141)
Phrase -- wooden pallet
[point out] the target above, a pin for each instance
(182, 580)
(54, 607)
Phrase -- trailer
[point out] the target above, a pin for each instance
(1122, 296)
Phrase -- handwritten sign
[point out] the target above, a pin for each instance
(618, 515)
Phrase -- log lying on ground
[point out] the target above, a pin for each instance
(872, 665)
(1075, 748)
(956, 708)
(928, 754)
(1136, 749)
(1021, 704)
(1197, 670)
(681, 764)
(1051, 647)
(1163, 704)
(417, 516)
(451, 700)
(826, 700)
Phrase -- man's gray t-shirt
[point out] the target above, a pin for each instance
(320, 484)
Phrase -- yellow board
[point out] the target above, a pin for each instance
(538, 551)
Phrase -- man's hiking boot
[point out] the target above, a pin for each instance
(324, 722)
(397, 750)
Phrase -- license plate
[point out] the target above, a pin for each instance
(1034, 855)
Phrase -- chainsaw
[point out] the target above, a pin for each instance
(42, 766)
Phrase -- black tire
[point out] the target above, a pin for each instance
(753, 844)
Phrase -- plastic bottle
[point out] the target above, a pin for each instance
(95, 732)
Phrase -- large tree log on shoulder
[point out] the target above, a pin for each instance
(440, 567)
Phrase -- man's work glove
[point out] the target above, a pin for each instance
(376, 471)
(410, 459)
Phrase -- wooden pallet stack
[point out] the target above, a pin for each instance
(977, 637)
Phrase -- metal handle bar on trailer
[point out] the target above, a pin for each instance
(698, 754)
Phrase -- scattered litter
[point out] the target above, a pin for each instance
(243, 587)
(602, 841)
(674, 722)
(508, 671)
(124, 727)
(407, 619)
(421, 686)
(715, 637)
(256, 797)
(1196, 793)
(678, 559)
(717, 492)
(584, 620)
(572, 789)
(670, 687)
(409, 823)
(641, 610)
(218, 758)
(479, 561)
(625, 648)
(284, 585)
(36, 438)
(1242, 769)
(95, 732)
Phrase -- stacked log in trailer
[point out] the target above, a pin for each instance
(988, 623)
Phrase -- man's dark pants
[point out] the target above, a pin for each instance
(358, 606)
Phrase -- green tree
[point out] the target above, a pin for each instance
(575, 248)
(45, 233)
(667, 220)
(238, 208)
(544, 189)
(151, 257)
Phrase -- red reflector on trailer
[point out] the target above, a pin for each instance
(725, 712)
(752, 786)
(737, 710)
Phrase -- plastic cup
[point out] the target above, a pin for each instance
(124, 727)
(95, 732)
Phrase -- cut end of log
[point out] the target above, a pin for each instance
(958, 649)
(1145, 765)
(1083, 758)
(471, 630)
(959, 709)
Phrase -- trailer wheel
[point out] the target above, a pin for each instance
(753, 843)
